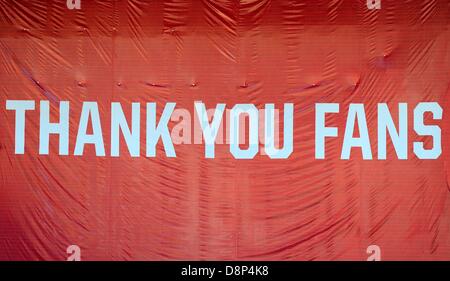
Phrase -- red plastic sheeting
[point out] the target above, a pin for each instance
(230, 52)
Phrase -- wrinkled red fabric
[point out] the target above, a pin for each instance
(230, 52)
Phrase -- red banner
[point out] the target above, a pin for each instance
(113, 206)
